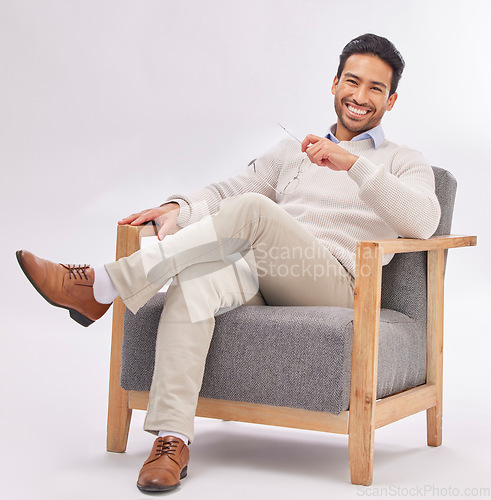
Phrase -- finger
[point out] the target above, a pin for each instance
(129, 218)
(313, 150)
(146, 216)
(319, 154)
(310, 139)
(165, 229)
(321, 160)
(325, 160)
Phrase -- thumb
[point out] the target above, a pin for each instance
(165, 229)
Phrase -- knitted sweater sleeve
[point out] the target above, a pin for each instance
(258, 178)
(402, 193)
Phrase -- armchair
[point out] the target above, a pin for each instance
(332, 369)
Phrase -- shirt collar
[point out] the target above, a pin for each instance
(376, 134)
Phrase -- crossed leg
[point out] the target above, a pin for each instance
(250, 252)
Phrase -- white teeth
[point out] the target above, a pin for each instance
(357, 111)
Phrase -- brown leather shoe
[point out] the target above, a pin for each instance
(166, 465)
(69, 287)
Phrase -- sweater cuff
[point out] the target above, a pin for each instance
(362, 170)
(184, 212)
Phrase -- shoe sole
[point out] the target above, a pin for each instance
(75, 315)
(156, 489)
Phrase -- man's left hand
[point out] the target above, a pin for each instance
(325, 153)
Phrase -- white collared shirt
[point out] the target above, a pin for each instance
(376, 134)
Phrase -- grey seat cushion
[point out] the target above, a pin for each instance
(298, 357)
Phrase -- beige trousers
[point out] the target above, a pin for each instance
(250, 252)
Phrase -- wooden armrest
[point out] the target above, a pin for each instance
(129, 238)
(145, 230)
(401, 245)
(366, 317)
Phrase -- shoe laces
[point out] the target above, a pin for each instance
(78, 272)
(166, 447)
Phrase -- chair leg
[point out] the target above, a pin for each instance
(361, 442)
(364, 362)
(434, 425)
(118, 420)
(119, 412)
(434, 347)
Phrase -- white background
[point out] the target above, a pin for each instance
(108, 107)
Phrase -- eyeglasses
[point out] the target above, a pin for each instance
(291, 185)
(293, 182)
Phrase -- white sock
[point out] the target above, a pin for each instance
(174, 434)
(104, 290)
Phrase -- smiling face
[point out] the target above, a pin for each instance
(361, 95)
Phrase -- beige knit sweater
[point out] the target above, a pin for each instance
(388, 192)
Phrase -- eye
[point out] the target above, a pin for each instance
(351, 81)
(377, 89)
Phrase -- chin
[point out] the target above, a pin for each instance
(358, 127)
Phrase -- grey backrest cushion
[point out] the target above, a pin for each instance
(404, 278)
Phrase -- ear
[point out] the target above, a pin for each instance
(335, 85)
(391, 101)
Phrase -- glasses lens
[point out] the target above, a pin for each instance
(291, 186)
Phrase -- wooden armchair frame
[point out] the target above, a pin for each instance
(366, 413)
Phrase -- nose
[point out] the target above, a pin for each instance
(360, 95)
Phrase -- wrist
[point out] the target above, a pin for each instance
(351, 160)
(171, 203)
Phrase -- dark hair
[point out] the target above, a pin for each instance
(377, 46)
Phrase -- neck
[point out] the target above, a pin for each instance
(343, 134)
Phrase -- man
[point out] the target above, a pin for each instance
(284, 232)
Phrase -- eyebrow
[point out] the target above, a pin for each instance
(351, 75)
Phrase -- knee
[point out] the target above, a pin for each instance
(255, 198)
(251, 201)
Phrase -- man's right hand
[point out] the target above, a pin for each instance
(164, 216)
